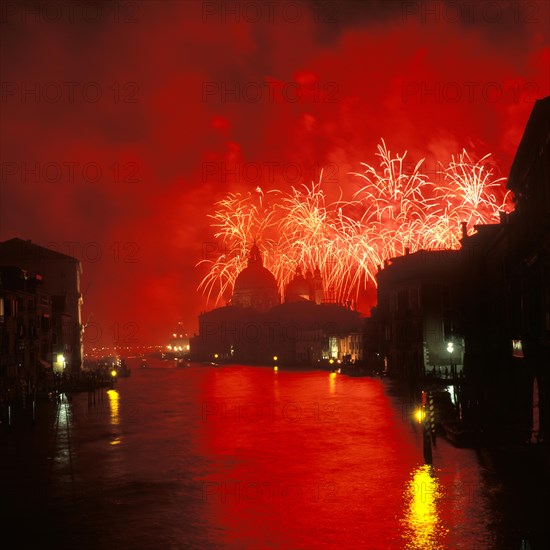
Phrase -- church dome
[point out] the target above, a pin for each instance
(255, 277)
(298, 288)
(255, 286)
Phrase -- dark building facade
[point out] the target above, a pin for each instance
(507, 310)
(26, 331)
(418, 303)
(61, 282)
(529, 263)
(491, 299)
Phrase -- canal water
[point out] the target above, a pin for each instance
(250, 457)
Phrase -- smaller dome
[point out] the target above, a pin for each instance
(298, 288)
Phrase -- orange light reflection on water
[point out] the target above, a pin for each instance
(423, 527)
(332, 382)
(113, 405)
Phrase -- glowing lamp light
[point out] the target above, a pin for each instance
(61, 358)
(113, 373)
(216, 356)
(331, 361)
(419, 415)
(275, 358)
(450, 347)
(275, 368)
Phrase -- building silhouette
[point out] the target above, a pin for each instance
(418, 300)
(255, 327)
(26, 331)
(60, 276)
(490, 299)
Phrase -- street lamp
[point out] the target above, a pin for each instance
(450, 349)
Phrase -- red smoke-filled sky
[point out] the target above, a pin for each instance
(122, 123)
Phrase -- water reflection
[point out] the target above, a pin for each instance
(113, 406)
(244, 457)
(422, 524)
(63, 432)
(332, 382)
(276, 393)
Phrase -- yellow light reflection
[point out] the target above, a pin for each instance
(423, 526)
(332, 382)
(113, 404)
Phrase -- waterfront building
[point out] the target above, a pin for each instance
(255, 327)
(61, 281)
(490, 299)
(418, 314)
(26, 331)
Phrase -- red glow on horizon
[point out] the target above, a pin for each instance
(121, 133)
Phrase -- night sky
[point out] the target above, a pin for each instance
(122, 123)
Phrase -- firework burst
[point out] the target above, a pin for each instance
(348, 239)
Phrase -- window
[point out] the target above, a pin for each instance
(45, 323)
